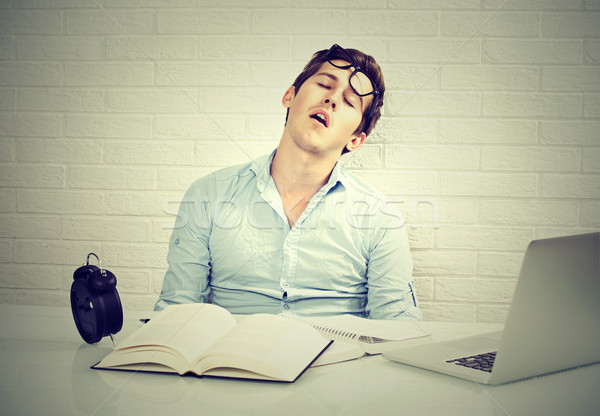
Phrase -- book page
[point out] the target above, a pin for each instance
(188, 329)
(270, 345)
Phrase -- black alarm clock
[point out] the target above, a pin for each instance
(95, 302)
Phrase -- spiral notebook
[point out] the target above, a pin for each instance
(355, 337)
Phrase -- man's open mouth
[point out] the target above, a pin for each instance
(320, 118)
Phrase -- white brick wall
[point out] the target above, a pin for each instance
(109, 109)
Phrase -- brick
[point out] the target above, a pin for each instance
(484, 24)
(591, 160)
(7, 150)
(589, 215)
(29, 74)
(569, 132)
(147, 255)
(447, 312)
(5, 251)
(542, 5)
(591, 52)
(297, 22)
(264, 127)
(150, 153)
(27, 226)
(347, 4)
(402, 130)
(367, 156)
(54, 252)
(552, 159)
(392, 23)
(448, 211)
(227, 153)
(162, 230)
(394, 182)
(484, 238)
(151, 101)
(434, 157)
(179, 179)
(303, 48)
(495, 314)
(273, 74)
(435, 4)
(151, 47)
(111, 177)
(420, 237)
(49, 4)
(433, 104)
(526, 51)
(61, 99)
(31, 22)
(527, 213)
(571, 25)
(132, 281)
(59, 151)
(111, 229)
(200, 126)
(102, 22)
(234, 100)
(434, 51)
(531, 105)
(59, 202)
(488, 184)
(487, 131)
(591, 105)
(583, 79)
(30, 125)
(16, 176)
(109, 126)
(417, 77)
(6, 47)
(68, 48)
(571, 186)
(149, 3)
(109, 74)
(141, 203)
(8, 297)
(206, 74)
(25, 276)
(551, 232)
(480, 290)
(7, 200)
(8, 98)
(489, 78)
(243, 48)
(432, 263)
(499, 264)
(44, 298)
(203, 21)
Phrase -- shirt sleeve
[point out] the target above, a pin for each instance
(187, 278)
(390, 283)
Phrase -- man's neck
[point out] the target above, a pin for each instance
(298, 176)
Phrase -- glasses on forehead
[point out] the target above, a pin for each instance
(336, 52)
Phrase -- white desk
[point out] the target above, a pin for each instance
(44, 370)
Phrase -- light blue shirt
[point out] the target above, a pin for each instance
(232, 246)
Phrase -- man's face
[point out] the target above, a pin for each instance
(325, 112)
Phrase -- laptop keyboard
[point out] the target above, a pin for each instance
(483, 362)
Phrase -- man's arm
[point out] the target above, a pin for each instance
(391, 293)
(187, 279)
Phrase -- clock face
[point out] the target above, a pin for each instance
(88, 318)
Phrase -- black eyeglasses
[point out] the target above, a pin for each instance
(336, 52)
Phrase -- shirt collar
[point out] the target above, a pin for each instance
(262, 169)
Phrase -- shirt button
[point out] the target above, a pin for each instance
(177, 241)
(286, 306)
(288, 243)
(286, 285)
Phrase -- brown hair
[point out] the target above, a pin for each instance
(367, 64)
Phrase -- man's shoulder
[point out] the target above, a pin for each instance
(353, 183)
(223, 177)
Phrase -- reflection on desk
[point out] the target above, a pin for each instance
(44, 370)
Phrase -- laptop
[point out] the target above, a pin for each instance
(553, 323)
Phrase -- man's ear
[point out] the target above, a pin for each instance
(288, 97)
(356, 141)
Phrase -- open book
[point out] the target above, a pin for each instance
(206, 340)
(355, 337)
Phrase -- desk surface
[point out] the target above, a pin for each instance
(44, 370)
